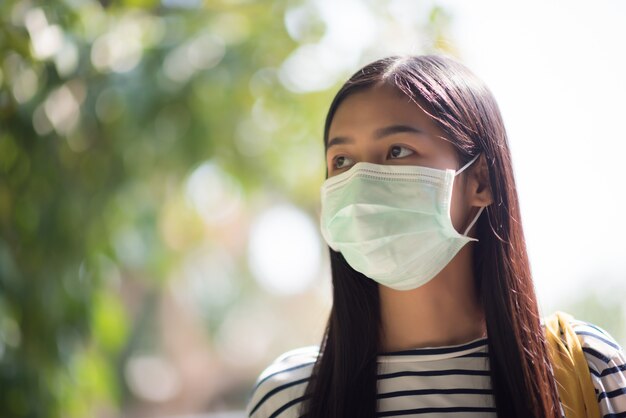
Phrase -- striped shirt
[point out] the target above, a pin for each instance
(437, 382)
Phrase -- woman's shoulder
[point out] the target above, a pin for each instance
(280, 386)
(596, 342)
(607, 366)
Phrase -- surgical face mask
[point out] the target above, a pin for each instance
(392, 222)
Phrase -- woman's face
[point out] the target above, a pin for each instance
(381, 125)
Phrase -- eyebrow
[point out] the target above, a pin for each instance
(378, 134)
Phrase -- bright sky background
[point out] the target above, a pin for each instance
(559, 75)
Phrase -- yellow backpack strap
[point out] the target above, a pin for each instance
(571, 369)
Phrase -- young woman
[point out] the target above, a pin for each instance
(434, 312)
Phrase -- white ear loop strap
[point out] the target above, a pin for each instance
(481, 209)
(474, 221)
(467, 165)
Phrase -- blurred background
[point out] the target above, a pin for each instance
(160, 165)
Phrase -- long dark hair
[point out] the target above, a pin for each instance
(343, 382)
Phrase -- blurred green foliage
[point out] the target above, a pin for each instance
(104, 110)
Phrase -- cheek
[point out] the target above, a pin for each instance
(458, 208)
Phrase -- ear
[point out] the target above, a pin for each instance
(478, 185)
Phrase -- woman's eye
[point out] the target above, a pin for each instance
(398, 151)
(342, 162)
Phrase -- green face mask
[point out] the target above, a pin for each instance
(392, 222)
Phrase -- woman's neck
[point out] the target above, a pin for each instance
(444, 311)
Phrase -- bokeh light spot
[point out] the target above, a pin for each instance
(284, 250)
(119, 50)
(152, 378)
(213, 193)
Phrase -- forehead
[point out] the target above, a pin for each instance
(379, 105)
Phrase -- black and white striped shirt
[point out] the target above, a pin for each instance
(450, 381)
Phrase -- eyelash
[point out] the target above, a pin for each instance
(334, 162)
